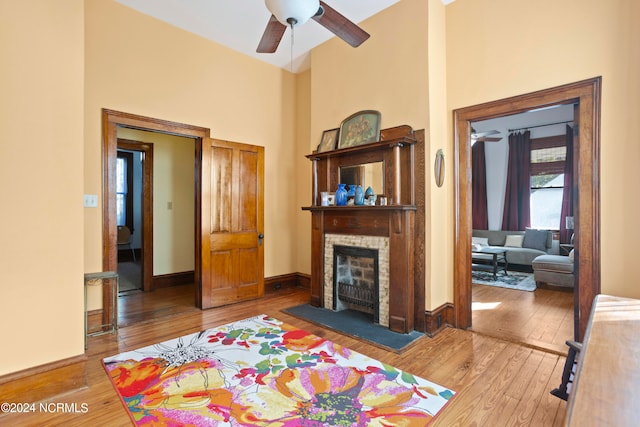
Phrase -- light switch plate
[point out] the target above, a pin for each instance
(90, 201)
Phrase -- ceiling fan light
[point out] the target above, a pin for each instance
(298, 10)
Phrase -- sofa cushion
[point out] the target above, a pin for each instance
(535, 239)
(522, 256)
(514, 241)
(480, 241)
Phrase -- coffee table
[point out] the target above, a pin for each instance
(489, 258)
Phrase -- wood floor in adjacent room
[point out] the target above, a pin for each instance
(498, 382)
(542, 319)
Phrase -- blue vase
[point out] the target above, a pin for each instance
(341, 195)
(369, 192)
(358, 200)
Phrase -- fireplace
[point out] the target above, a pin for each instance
(355, 280)
(363, 250)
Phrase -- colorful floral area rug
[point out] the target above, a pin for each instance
(262, 372)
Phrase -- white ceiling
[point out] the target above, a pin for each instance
(239, 24)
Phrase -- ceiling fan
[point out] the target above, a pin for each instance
(289, 13)
(485, 136)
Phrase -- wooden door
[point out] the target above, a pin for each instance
(232, 220)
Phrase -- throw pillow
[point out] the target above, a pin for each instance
(535, 239)
(480, 241)
(571, 255)
(514, 241)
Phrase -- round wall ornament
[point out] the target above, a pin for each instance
(438, 168)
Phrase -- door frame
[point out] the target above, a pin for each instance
(147, 207)
(111, 119)
(587, 94)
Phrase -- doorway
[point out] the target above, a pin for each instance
(228, 213)
(510, 305)
(112, 120)
(136, 213)
(584, 94)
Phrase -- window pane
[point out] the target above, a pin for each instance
(121, 191)
(121, 217)
(553, 154)
(548, 180)
(121, 175)
(546, 204)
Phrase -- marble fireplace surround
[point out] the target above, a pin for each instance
(381, 244)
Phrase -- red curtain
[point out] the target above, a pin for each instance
(567, 194)
(516, 215)
(480, 219)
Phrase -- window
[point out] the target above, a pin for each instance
(124, 189)
(548, 157)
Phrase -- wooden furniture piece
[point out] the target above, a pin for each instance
(606, 389)
(566, 248)
(568, 372)
(489, 259)
(395, 221)
(109, 281)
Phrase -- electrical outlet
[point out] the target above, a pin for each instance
(90, 201)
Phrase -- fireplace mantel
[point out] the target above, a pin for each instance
(395, 221)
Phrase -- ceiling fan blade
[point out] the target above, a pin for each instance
(333, 21)
(487, 139)
(485, 133)
(272, 36)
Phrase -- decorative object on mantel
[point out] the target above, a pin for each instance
(341, 195)
(360, 128)
(328, 140)
(359, 197)
(438, 168)
(369, 192)
(324, 198)
(370, 197)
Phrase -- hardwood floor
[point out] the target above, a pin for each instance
(139, 307)
(542, 319)
(498, 382)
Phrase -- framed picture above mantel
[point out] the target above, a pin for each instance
(362, 127)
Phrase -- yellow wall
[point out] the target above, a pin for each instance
(526, 47)
(439, 200)
(41, 175)
(302, 248)
(387, 73)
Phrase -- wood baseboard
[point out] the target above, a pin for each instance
(44, 381)
(438, 319)
(172, 279)
(292, 280)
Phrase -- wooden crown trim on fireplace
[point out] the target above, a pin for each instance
(394, 221)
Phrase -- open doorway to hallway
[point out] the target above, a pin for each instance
(155, 194)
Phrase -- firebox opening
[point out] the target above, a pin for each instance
(355, 280)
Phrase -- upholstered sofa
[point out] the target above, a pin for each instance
(522, 246)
